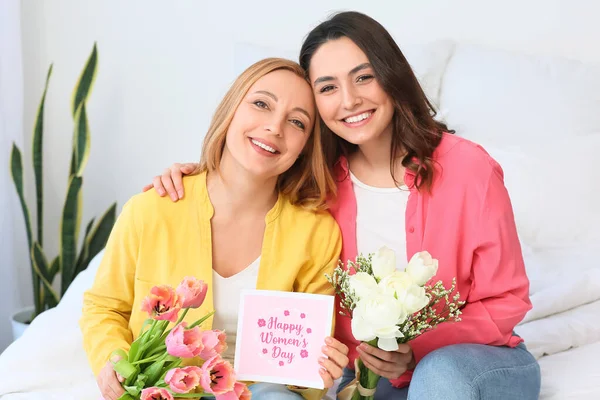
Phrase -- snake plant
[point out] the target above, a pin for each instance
(68, 263)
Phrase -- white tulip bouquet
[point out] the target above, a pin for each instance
(388, 306)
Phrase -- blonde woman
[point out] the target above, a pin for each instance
(262, 178)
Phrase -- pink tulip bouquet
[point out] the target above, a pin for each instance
(152, 368)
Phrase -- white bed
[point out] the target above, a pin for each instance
(539, 117)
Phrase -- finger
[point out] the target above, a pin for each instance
(146, 188)
(384, 374)
(120, 378)
(334, 370)
(158, 186)
(377, 352)
(336, 356)
(333, 342)
(115, 386)
(327, 381)
(168, 184)
(176, 175)
(404, 348)
(188, 167)
(380, 365)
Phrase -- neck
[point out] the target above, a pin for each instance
(371, 162)
(234, 192)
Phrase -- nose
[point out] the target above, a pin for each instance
(275, 125)
(350, 98)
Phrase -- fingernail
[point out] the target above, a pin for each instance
(321, 360)
(322, 371)
(161, 192)
(180, 193)
(173, 197)
(328, 340)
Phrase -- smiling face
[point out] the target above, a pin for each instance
(349, 99)
(271, 125)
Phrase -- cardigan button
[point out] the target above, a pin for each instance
(411, 229)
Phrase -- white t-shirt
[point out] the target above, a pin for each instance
(226, 299)
(380, 219)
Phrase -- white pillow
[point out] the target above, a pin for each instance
(555, 190)
(502, 97)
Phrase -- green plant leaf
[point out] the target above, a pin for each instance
(54, 267)
(16, 170)
(69, 232)
(83, 254)
(81, 140)
(99, 236)
(40, 265)
(37, 155)
(85, 81)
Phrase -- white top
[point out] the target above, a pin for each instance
(380, 219)
(226, 298)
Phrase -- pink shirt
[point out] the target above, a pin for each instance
(467, 223)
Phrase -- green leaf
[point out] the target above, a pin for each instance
(69, 231)
(40, 264)
(38, 164)
(125, 369)
(99, 236)
(81, 140)
(54, 267)
(85, 81)
(83, 254)
(16, 170)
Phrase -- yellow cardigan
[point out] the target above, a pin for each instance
(156, 241)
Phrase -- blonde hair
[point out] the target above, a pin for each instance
(309, 181)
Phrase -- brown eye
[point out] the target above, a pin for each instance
(261, 104)
(325, 89)
(298, 123)
(364, 78)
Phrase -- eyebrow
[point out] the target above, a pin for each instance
(352, 72)
(271, 95)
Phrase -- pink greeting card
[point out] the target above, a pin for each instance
(280, 336)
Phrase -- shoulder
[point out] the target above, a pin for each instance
(150, 208)
(462, 160)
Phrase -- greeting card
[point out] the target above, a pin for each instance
(280, 336)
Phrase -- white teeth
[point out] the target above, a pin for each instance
(358, 118)
(264, 146)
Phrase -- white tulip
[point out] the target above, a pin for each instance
(384, 262)
(378, 316)
(422, 267)
(396, 282)
(363, 285)
(413, 299)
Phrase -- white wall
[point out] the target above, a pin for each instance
(164, 66)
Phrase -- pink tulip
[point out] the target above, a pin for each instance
(240, 392)
(183, 380)
(192, 291)
(214, 344)
(217, 376)
(155, 393)
(185, 343)
(163, 303)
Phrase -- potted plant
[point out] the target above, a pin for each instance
(69, 262)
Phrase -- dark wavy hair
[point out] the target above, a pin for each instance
(415, 130)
